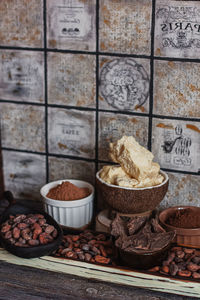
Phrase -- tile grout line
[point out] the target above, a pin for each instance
(46, 90)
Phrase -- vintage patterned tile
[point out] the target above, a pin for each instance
(22, 76)
(177, 29)
(177, 89)
(176, 144)
(22, 127)
(21, 23)
(71, 79)
(124, 84)
(24, 174)
(71, 24)
(63, 168)
(125, 26)
(113, 126)
(71, 132)
(183, 189)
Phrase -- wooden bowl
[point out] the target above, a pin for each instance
(132, 200)
(184, 236)
(145, 260)
(34, 251)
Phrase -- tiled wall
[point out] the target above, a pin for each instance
(77, 74)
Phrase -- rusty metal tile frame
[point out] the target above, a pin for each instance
(98, 53)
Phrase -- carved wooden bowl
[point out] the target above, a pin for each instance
(132, 200)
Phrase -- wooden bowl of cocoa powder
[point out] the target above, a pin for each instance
(185, 220)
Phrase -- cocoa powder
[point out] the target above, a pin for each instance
(67, 191)
(184, 218)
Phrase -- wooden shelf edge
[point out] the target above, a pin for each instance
(107, 274)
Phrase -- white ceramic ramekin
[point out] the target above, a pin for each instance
(76, 213)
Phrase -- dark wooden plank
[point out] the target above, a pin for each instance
(18, 282)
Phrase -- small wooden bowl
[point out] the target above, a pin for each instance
(34, 251)
(184, 236)
(145, 260)
(132, 200)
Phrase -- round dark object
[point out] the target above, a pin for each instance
(34, 251)
(132, 200)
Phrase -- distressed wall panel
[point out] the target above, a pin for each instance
(177, 28)
(114, 126)
(22, 127)
(177, 89)
(183, 190)
(124, 84)
(176, 144)
(21, 23)
(71, 24)
(65, 73)
(24, 174)
(125, 26)
(61, 168)
(71, 132)
(22, 76)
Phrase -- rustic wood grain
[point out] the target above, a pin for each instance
(19, 282)
(103, 276)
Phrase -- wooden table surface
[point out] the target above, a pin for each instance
(22, 282)
(19, 282)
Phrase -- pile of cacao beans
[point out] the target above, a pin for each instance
(181, 261)
(87, 246)
(28, 230)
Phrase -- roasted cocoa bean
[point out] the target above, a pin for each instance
(196, 260)
(184, 273)
(75, 238)
(33, 242)
(85, 247)
(16, 233)
(154, 269)
(197, 252)
(101, 237)
(49, 229)
(5, 228)
(173, 269)
(19, 218)
(69, 254)
(41, 222)
(180, 254)
(22, 225)
(188, 250)
(103, 251)
(96, 250)
(102, 260)
(8, 235)
(88, 256)
(81, 256)
(64, 251)
(165, 269)
(193, 267)
(196, 275)
(54, 233)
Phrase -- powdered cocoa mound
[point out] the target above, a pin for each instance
(67, 191)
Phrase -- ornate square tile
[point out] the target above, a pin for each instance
(22, 127)
(63, 168)
(113, 126)
(125, 26)
(124, 84)
(71, 132)
(21, 23)
(177, 29)
(24, 174)
(176, 144)
(22, 76)
(71, 79)
(71, 24)
(183, 190)
(177, 89)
